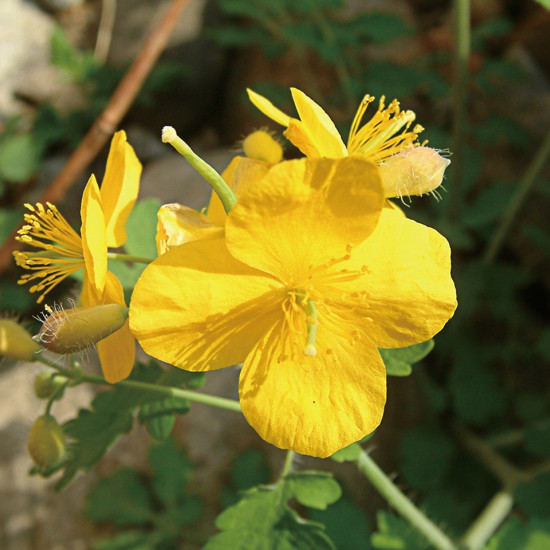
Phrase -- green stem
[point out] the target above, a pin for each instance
(128, 258)
(212, 177)
(287, 466)
(460, 101)
(212, 400)
(488, 521)
(523, 189)
(402, 504)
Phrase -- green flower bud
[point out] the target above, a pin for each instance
(47, 383)
(16, 342)
(46, 442)
(72, 330)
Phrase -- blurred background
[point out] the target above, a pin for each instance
(60, 63)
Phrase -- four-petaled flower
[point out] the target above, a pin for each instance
(406, 167)
(312, 276)
(63, 251)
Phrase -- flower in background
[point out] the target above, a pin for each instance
(62, 251)
(407, 168)
(312, 277)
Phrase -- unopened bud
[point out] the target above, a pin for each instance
(47, 384)
(46, 442)
(16, 342)
(260, 145)
(414, 171)
(178, 224)
(72, 330)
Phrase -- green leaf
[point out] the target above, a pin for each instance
(532, 497)
(94, 430)
(348, 454)
(395, 533)
(378, 27)
(514, 534)
(129, 540)
(312, 489)
(425, 457)
(142, 229)
(158, 415)
(399, 361)
(338, 518)
(263, 521)
(172, 472)
(19, 157)
(544, 3)
(121, 499)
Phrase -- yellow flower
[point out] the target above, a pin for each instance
(63, 251)
(408, 168)
(313, 276)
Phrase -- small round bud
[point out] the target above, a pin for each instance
(47, 383)
(46, 442)
(16, 342)
(72, 330)
(260, 145)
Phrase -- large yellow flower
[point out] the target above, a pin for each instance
(63, 251)
(406, 167)
(313, 276)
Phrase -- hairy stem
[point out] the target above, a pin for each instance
(402, 504)
(190, 395)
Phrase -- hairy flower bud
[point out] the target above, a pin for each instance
(16, 342)
(47, 383)
(46, 442)
(72, 330)
(414, 171)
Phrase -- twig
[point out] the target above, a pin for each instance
(107, 122)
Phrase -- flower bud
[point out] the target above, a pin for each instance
(178, 224)
(413, 171)
(16, 342)
(46, 442)
(72, 330)
(260, 145)
(47, 383)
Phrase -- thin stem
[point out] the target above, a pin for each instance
(523, 189)
(212, 400)
(212, 177)
(402, 504)
(287, 465)
(128, 258)
(460, 101)
(488, 521)
(105, 30)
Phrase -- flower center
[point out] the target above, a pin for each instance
(377, 138)
(61, 246)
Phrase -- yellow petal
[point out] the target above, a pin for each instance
(178, 224)
(304, 213)
(117, 352)
(414, 171)
(241, 172)
(94, 243)
(198, 308)
(406, 294)
(267, 108)
(120, 188)
(317, 126)
(313, 405)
